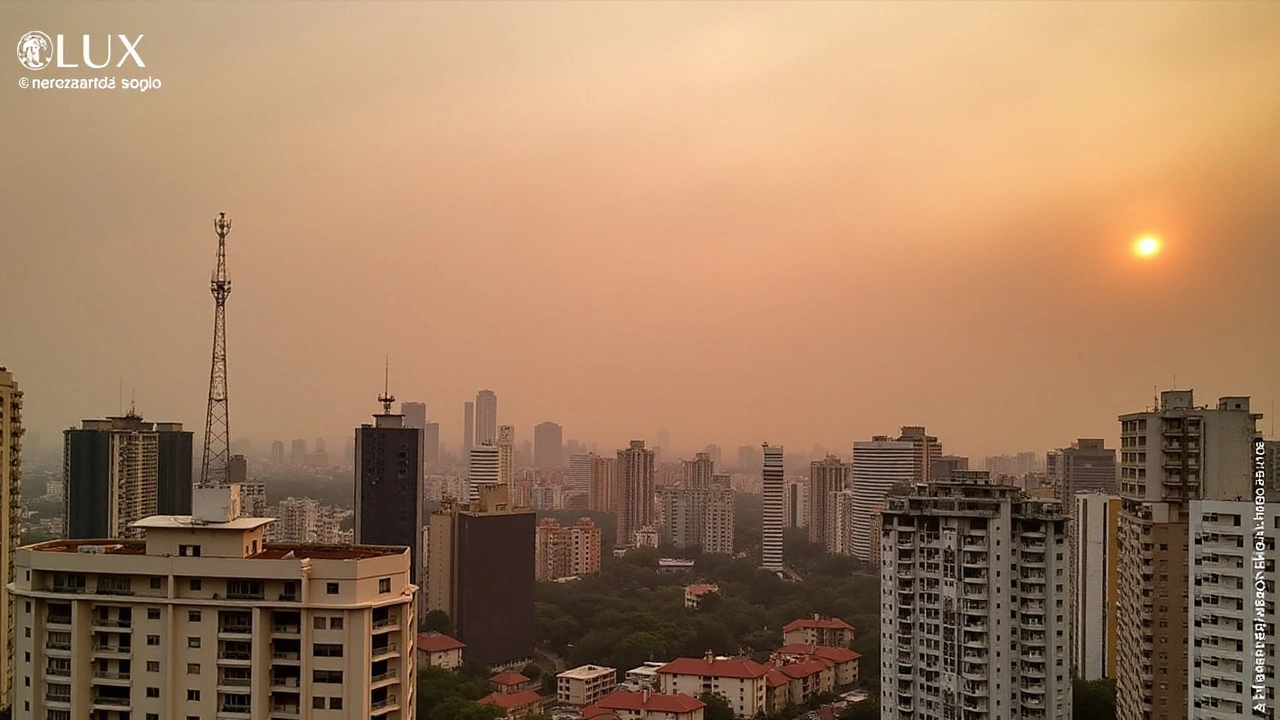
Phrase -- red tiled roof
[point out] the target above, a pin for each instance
(715, 668)
(438, 642)
(818, 624)
(776, 678)
(657, 702)
(513, 701)
(510, 677)
(826, 652)
(591, 712)
(702, 589)
(803, 669)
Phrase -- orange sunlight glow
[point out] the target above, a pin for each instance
(1147, 247)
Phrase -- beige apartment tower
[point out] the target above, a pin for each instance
(10, 519)
(201, 619)
(1170, 457)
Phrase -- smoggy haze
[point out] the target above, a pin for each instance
(739, 221)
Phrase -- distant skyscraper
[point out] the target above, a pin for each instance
(878, 465)
(239, 473)
(984, 634)
(1171, 457)
(925, 449)
(826, 476)
(943, 467)
(635, 501)
(348, 452)
(795, 503)
(483, 468)
(277, 452)
(580, 474)
(771, 531)
(486, 417)
(713, 452)
(468, 428)
(506, 458)
(748, 458)
(1085, 466)
(121, 470)
(481, 573)
(431, 443)
(390, 486)
(10, 512)
(548, 445)
(1095, 567)
(718, 527)
(602, 494)
(567, 551)
(298, 453)
(415, 414)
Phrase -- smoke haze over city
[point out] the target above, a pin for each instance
(801, 223)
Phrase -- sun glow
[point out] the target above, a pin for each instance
(1146, 247)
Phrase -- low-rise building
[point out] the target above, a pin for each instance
(740, 681)
(510, 682)
(516, 705)
(645, 705)
(818, 630)
(693, 594)
(439, 650)
(585, 685)
(843, 661)
(644, 676)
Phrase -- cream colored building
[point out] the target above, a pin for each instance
(202, 619)
(741, 682)
(10, 518)
(585, 685)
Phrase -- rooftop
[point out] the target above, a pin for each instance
(512, 701)
(715, 667)
(270, 551)
(184, 522)
(509, 678)
(817, 623)
(438, 642)
(584, 672)
(651, 702)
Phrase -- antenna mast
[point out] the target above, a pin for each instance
(215, 468)
(386, 398)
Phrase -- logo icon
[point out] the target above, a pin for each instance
(35, 50)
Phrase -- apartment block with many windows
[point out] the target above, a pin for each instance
(201, 619)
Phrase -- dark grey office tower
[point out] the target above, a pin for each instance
(548, 445)
(415, 414)
(431, 442)
(239, 470)
(389, 484)
(123, 469)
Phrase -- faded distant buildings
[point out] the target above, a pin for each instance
(826, 477)
(304, 520)
(548, 445)
(974, 604)
(570, 551)
(771, 533)
(483, 468)
(1172, 458)
(415, 414)
(698, 510)
(634, 498)
(468, 428)
(120, 470)
(795, 503)
(486, 417)
(1086, 466)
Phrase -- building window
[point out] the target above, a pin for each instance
(153, 716)
(153, 666)
(153, 639)
(333, 677)
(318, 622)
(189, 551)
(153, 613)
(193, 641)
(335, 623)
(193, 696)
(193, 668)
(317, 703)
(193, 616)
(195, 584)
(156, 583)
(384, 585)
(327, 650)
(335, 703)
(331, 588)
(153, 692)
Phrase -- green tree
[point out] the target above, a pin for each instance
(868, 709)
(717, 707)
(531, 671)
(1093, 700)
(436, 621)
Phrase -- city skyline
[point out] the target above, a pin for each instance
(859, 137)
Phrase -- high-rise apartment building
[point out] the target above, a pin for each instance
(634, 496)
(795, 503)
(506, 457)
(548, 445)
(771, 517)
(878, 465)
(486, 417)
(298, 453)
(1232, 633)
(1095, 574)
(1170, 456)
(974, 604)
(481, 572)
(277, 452)
(253, 499)
(602, 492)
(718, 527)
(841, 507)
(304, 520)
(120, 470)
(431, 443)
(684, 505)
(925, 449)
(415, 414)
(826, 476)
(579, 475)
(1086, 466)
(483, 468)
(944, 466)
(202, 618)
(468, 428)
(390, 485)
(10, 520)
(566, 551)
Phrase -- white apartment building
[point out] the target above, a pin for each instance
(586, 684)
(202, 619)
(1095, 572)
(482, 469)
(1221, 675)
(506, 458)
(304, 520)
(717, 531)
(974, 593)
(878, 465)
(741, 682)
(771, 482)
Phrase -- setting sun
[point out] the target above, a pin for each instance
(1147, 247)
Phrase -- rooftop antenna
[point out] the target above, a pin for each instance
(1155, 392)
(215, 466)
(386, 398)
(120, 397)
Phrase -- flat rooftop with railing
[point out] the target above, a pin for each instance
(271, 551)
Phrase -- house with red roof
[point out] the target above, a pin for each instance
(517, 704)
(740, 681)
(693, 594)
(817, 630)
(798, 673)
(439, 650)
(510, 682)
(645, 705)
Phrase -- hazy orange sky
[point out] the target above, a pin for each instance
(801, 223)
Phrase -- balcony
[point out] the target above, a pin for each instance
(288, 683)
(58, 619)
(236, 710)
(234, 655)
(386, 622)
(112, 649)
(286, 629)
(383, 651)
(111, 676)
(235, 629)
(110, 702)
(283, 710)
(58, 645)
(57, 671)
(235, 681)
(286, 655)
(387, 702)
(59, 699)
(115, 624)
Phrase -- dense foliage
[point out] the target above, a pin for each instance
(1093, 700)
